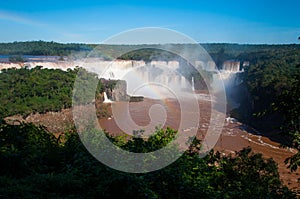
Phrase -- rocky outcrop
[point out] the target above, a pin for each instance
(119, 92)
(136, 98)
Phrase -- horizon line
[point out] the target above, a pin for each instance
(135, 44)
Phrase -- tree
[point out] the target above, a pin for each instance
(16, 58)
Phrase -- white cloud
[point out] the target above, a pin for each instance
(4, 15)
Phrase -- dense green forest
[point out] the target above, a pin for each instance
(35, 164)
(24, 91)
(273, 101)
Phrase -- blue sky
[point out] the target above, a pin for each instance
(91, 21)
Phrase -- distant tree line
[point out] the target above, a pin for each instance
(41, 48)
(218, 51)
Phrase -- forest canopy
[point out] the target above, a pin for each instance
(35, 164)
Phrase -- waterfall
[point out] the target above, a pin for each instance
(193, 84)
(106, 100)
(232, 85)
(183, 83)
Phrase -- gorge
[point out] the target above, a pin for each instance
(234, 135)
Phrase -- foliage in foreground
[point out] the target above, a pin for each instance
(34, 164)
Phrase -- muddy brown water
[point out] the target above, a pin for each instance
(234, 137)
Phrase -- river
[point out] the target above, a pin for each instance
(234, 136)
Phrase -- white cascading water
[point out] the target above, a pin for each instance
(106, 100)
(193, 84)
(228, 75)
(119, 68)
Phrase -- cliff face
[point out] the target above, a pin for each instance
(119, 93)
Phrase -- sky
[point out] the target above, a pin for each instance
(92, 21)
